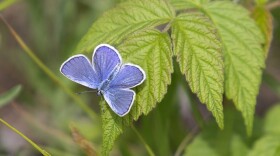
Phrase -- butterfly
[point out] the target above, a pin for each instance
(112, 78)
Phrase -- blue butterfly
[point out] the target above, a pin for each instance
(108, 75)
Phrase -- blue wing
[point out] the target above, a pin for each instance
(129, 76)
(105, 60)
(120, 100)
(79, 69)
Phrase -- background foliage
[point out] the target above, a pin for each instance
(194, 53)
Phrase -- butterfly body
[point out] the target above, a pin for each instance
(112, 79)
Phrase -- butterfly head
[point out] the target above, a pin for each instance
(99, 92)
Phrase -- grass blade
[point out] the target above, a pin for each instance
(45, 153)
(9, 95)
(6, 3)
(53, 77)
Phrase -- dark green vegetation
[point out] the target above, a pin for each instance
(205, 64)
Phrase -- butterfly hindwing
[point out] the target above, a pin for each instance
(79, 69)
(105, 59)
(129, 76)
(120, 100)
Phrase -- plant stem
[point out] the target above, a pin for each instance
(45, 153)
(167, 27)
(42, 66)
(55, 134)
(6, 3)
(185, 141)
(148, 148)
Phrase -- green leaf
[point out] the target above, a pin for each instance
(266, 146)
(184, 4)
(270, 125)
(213, 142)
(128, 17)
(209, 146)
(9, 95)
(244, 57)
(264, 20)
(199, 54)
(200, 147)
(141, 49)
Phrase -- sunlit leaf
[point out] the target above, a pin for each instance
(128, 17)
(199, 54)
(244, 57)
(264, 20)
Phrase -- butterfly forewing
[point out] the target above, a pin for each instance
(79, 69)
(120, 100)
(105, 60)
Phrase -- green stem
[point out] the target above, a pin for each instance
(148, 148)
(185, 141)
(45, 153)
(6, 3)
(41, 65)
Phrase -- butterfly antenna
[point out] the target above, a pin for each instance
(88, 91)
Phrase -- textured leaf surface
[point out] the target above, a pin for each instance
(264, 21)
(151, 50)
(244, 57)
(184, 4)
(199, 54)
(112, 126)
(126, 18)
(266, 146)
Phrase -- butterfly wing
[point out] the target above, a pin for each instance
(79, 69)
(119, 100)
(129, 76)
(105, 60)
(119, 97)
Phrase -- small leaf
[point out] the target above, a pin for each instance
(270, 125)
(9, 95)
(128, 17)
(266, 146)
(244, 57)
(264, 21)
(199, 54)
(150, 49)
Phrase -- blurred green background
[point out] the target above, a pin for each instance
(42, 111)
